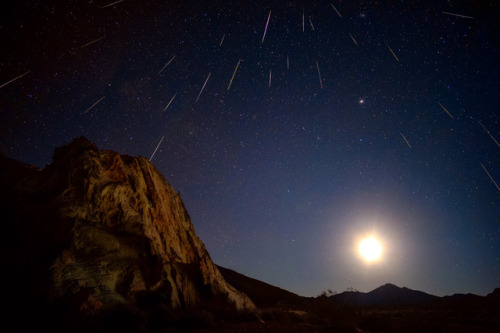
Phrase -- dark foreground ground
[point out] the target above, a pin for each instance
(367, 320)
(290, 314)
(283, 311)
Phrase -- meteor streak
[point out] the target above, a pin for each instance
(14, 79)
(458, 15)
(303, 20)
(222, 40)
(392, 52)
(92, 42)
(93, 105)
(157, 146)
(168, 63)
(498, 188)
(232, 77)
(335, 10)
(353, 40)
(269, 78)
(267, 23)
(203, 87)
(445, 110)
(111, 4)
(405, 140)
(166, 107)
(319, 74)
(491, 136)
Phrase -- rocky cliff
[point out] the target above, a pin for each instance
(96, 229)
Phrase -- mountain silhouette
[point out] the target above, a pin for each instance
(386, 295)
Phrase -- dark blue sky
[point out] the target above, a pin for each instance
(282, 172)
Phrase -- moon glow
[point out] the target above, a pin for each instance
(370, 249)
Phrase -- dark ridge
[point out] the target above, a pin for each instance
(387, 295)
(261, 293)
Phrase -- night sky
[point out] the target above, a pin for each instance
(347, 118)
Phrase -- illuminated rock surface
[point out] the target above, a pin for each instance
(96, 229)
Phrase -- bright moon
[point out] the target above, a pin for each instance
(370, 249)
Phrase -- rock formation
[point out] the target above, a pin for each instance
(95, 229)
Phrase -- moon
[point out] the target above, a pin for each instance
(370, 249)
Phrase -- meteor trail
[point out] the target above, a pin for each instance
(498, 188)
(203, 87)
(269, 78)
(222, 40)
(166, 107)
(335, 10)
(93, 105)
(458, 15)
(312, 26)
(405, 140)
(14, 79)
(353, 40)
(491, 136)
(111, 4)
(168, 63)
(392, 52)
(319, 74)
(445, 110)
(92, 42)
(287, 63)
(232, 77)
(267, 23)
(303, 20)
(157, 146)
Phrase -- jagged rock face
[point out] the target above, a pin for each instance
(98, 228)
